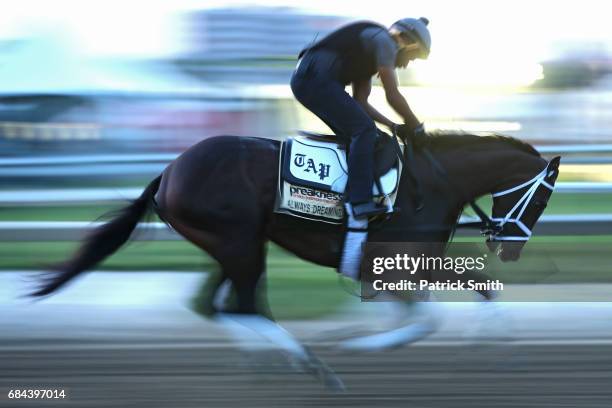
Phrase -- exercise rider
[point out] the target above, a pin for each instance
(352, 55)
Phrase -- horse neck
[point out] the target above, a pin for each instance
(479, 172)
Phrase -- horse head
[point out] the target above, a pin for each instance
(516, 211)
(510, 170)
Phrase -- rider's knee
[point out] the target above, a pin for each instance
(365, 132)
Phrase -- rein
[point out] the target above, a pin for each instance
(486, 225)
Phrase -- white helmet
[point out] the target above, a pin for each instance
(416, 28)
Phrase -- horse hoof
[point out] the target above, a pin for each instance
(334, 383)
(321, 371)
(330, 380)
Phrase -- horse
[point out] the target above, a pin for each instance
(220, 193)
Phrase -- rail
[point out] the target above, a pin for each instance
(23, 231)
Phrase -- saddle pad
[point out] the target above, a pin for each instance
(323, 165)
(312, 178)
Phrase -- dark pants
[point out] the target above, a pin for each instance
(315, 86)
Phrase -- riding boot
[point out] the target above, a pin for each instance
(356, 236)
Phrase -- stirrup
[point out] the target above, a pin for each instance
(368, 209)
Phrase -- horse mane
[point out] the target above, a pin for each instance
(441, 140)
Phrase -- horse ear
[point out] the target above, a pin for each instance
(553, 164)
(552, 169)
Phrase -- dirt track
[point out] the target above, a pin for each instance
(419, 376)
(111, 350)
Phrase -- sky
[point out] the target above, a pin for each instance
(474, 40)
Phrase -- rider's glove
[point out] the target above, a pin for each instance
(419, 135)
(403, 131)
(416, 135)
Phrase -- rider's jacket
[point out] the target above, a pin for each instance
(356, 62)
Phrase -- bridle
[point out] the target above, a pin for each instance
(514, 215)
(493, 227)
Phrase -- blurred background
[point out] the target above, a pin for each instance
(97, 97)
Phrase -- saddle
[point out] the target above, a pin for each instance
(313, 174)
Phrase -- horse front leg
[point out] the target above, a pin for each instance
(409, 321)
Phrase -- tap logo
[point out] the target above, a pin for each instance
(309, 165)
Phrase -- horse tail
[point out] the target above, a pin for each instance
(101, 243)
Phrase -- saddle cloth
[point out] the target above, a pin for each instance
(313, 175)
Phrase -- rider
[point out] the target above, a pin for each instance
(352, 55)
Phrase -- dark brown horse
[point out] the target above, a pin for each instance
(220, 194)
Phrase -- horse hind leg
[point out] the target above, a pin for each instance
(243, 266)
(245, 321)
(241, 256)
